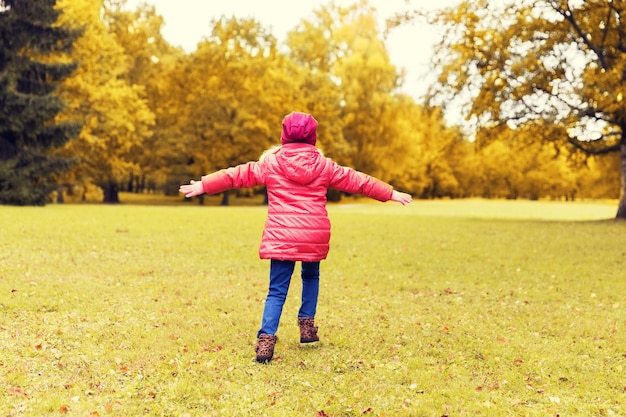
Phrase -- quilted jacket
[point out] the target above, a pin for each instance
(296, 176)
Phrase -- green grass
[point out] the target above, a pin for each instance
(459, 308)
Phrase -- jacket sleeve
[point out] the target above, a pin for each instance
(351, 181)
(241, 176)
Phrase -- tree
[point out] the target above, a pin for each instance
(116, 117)
(563, 62)
(512, 163)
(33, 62)
(237, 93)
(152, 61)
(344, 45)
(428, 158)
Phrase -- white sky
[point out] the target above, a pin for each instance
(410, 46)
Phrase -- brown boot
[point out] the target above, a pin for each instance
(308, 330)
(265, 347)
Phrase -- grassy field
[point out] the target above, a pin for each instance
(456, 308)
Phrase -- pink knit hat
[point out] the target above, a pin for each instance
(299, 128)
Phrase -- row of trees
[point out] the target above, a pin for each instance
(151, 116)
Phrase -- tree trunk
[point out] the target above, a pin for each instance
(60, 197)
(621, 210)
(111, 193)
(131, 181)
(225, 198)
(333, 195)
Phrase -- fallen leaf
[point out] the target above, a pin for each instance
(17, 391)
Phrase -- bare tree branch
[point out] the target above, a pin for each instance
(587, 148)
(568, 15)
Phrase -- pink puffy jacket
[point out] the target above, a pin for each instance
(296, 176)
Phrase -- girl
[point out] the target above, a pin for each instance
(297, 228)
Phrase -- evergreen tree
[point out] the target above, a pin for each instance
(31, 67)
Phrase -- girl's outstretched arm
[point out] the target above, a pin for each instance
(192, 189)
(240, 176)
(400, 197)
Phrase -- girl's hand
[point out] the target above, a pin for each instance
(400, 197)
(192, 189)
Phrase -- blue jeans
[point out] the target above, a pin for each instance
(280, 278)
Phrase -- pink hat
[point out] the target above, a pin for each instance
(299, 128)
